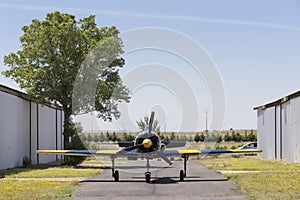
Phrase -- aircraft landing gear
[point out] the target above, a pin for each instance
(148, 173)
(182, 174)
(148, 177)
(115, 173)
(116, 176)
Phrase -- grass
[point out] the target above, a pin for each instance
(11, 188)
(269, 185)
(53, 172)
(252, 163)
(276, 179)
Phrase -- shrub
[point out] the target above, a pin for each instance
(26, 161)
(75, 144)
(197, 138)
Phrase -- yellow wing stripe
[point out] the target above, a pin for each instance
(79, 152)
(189, 152)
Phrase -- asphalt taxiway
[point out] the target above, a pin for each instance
(200, 183)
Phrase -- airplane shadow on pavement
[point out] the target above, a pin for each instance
(157, 180)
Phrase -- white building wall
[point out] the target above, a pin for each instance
(34, 132)
(294, 127)
(297, 128)
(47, 132)
(14, 129)
(286, 146)
(20, 138)
(277, 134)
(266, 128)
(287, 136)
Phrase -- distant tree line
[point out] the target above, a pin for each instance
(199, 137)
(237, 137)
(107, 137)
(234, 136)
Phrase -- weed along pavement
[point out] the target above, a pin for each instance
(200, 183)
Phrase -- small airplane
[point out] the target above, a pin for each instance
(148, 145)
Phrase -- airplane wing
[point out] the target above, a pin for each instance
(116, 153)
(208, 152)
(133, 153)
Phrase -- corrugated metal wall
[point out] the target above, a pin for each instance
(266, 130)
(291, 130)
(279, 131)
(25, 127)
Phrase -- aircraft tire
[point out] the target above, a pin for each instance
(116, 176)
(148, 177)
(181, 175)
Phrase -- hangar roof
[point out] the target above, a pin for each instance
(24, 95)
(279, 101)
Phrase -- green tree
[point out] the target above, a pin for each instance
(227, 137)
(125, 136)
(130, 137)
(201, 137)
(220, 138)
(238, 137)
(161, 136)
(108, 136)
(252, 136)
(172, 137)
(197, 138)
(83, 137)
(245, 137)
(96, 138)
(114, 137)
(101, 137)
(89, 138)
(233, 136)
(52, 51)
(145, 122)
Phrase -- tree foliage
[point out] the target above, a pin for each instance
(197, 138)
(52, 51)
(127, 137)
(142, 123)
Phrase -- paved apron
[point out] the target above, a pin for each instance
(200, 183)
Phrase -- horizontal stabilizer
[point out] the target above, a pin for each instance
(125, 144)
(174, 143)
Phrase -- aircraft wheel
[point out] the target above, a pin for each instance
(116, 175)
(148, 177)
(181, 175)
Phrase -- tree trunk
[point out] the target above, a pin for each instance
(67, 129)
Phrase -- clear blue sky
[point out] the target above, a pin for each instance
(254, 44)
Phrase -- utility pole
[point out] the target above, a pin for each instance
(206, 120)
(206, 130)
(91, 122)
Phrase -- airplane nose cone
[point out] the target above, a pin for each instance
(147, 143)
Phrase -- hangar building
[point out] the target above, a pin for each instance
(278, 127)
(26, 126)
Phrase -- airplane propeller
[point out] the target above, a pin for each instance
(164, 157)
(151, 122)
